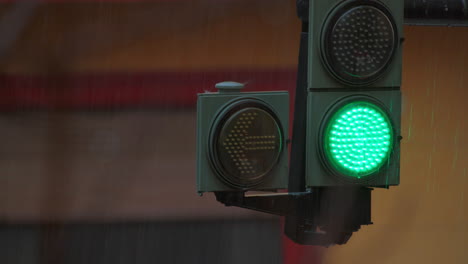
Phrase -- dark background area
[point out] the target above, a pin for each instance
(213, 241)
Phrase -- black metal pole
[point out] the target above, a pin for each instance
(419, 12)
(297, 160)
(436, 12)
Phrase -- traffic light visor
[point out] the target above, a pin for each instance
(358, 139)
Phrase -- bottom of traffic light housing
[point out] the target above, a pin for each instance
(322, 216)
(338, 212)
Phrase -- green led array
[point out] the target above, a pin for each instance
(358, 139)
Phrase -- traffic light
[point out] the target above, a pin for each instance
(241, 140)
(354, 99)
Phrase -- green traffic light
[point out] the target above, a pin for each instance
(358, 139)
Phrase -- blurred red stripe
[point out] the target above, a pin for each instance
(161, 89)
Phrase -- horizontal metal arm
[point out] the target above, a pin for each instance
(419, 12)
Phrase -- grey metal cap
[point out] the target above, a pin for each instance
(229, 87)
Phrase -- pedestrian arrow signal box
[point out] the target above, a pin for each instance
(241, 140)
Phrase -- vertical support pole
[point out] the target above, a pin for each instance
(297, 164)
(294, 223)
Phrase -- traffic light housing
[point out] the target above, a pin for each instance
(241, 140)
(354, 98)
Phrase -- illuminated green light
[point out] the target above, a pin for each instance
(367, 142)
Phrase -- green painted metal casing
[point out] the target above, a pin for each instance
(320, 106)
(209, 107)
(326, 91)
(318, 75)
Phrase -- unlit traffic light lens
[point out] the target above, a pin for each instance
(359, 42)
(247, 144)
(358, 139)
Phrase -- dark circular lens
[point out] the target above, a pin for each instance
(246, 144)
(359, 42)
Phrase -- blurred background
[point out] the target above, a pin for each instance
(97, 136)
